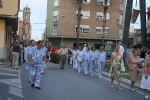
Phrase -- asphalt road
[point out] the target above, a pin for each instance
(58, 84)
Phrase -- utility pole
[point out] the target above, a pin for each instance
(63, 30)
(78, 21)
(127, 25)
(143, 24)
(104, 21)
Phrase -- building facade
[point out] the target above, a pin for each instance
(26, 36)
(62, 22)
(8, 25)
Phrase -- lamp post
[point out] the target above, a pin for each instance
(104, 21)
(63, 30)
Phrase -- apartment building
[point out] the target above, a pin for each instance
(8, 25)
(62, 22)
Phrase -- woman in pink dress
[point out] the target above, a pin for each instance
(145, 83)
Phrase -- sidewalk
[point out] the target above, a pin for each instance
(6, 63)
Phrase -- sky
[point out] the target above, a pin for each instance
(137, 23)
(38, 15)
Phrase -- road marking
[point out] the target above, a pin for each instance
(8, 69)
(8, 74)
(9, 99)
(15, 91)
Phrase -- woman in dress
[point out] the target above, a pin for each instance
(79, 57)
(93, 55)
(145, 83)
(74, 58)
(134, 63)
(86, 59)
(116, 66)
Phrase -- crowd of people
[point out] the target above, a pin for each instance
(90, 58)
(36, 56)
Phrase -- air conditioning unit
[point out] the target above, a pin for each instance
(118, 21)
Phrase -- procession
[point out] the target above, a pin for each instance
(37, 57)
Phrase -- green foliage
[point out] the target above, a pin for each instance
(54, 58)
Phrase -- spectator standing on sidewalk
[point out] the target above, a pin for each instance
(15, 52)
(134, 63)
(145, 83)
(115, 69)
(63, 56)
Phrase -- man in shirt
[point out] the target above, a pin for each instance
(63, 55)
(15, 53)
(142, 53)
(121, 50)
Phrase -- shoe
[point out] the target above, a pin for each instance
(86, 74)
(92, 75)
(111, 86)
(146, 96)
(32, 85)
(79, 72)
(120, 89)
(38, 88)
(29, 81)
(133, 90)
(42, 73)
(60, 68)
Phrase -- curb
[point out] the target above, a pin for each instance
(124, 80)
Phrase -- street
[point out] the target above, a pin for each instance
(58, 84)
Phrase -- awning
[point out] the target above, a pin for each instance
(11, 21)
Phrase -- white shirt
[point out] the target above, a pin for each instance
(121, 50)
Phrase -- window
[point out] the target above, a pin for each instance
(55, 17)
(55, 30)
(99, 16)
(85, 1)
(1, 3)
(83, 29)
(84, 14)
(102, 2)
(121, 19)
(106, 30)
(56, 2)
(121, 4)
(120, 33)
(98, 30)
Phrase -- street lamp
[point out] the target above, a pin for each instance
(63, 30)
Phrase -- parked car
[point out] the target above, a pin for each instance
(108, 54)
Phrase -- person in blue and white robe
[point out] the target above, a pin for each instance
(36, 56)
(79, 56)
(101, 59)
(93, 55)
(86, 59)
(28, 66)
(44, 63)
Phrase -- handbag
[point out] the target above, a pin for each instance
(122, 66)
